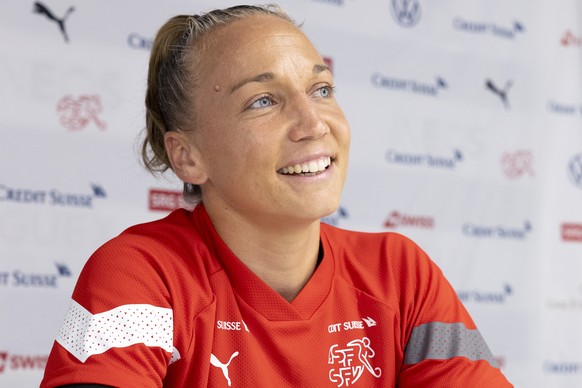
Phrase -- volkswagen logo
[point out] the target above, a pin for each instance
(575, 169)
(405, 12)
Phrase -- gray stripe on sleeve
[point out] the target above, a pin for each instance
(442, 341)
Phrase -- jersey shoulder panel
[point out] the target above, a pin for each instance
(148, 263)
(394, 269)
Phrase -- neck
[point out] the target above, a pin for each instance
(283, 256)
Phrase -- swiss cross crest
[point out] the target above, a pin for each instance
(349, 363)
(77, 113)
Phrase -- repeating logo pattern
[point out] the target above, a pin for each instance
(140, 42)
(562, 367)
(499, 231)
(53, 197)
(564, 108)
(571, 232)
(22, 362)
(36, 279)
(517, 164)
(493, 29)
(486, 297)
(410, 85)
(575, 170)
(571, 40)
(42, 9)
(447, 162)
(165, 200)
(396, 220)
(405, 12)
(500, 92)
(76, 113)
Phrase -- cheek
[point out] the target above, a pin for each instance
(343, 133)
(347, 136)
(238, 155)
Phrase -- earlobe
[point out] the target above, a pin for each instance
(184, 157)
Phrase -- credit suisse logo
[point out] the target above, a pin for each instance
(564, 108)
(165, 200)
(15, 362)
(431, 89)
(397, 220)
(474, 230)
(571, 40)
(571, 232)
(53, 197)
(486, 297)
(447, 162)
(507, 31)
(23, 279)
(575, 170)
(406, 13)
(516, 164)
(76, 113)
(569, 302)
(562, 367)
(139, 42)
(336, 217)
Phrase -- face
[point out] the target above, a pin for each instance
(271, 139)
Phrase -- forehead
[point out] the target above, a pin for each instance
(258, 40)
(250, 29)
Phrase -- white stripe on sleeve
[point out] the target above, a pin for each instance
(84, 334)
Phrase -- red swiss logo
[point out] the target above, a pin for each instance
(75, 113)
(572, 232)
(165, 200)
(3, 358)
(571, 40)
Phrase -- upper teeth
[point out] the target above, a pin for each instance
(311, 166)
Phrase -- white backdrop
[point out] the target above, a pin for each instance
(466, 122)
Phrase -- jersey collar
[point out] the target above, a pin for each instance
(256, 293)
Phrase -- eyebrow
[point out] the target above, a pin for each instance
(266, 77)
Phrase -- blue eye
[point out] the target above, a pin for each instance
(262, 102)
(324, 92)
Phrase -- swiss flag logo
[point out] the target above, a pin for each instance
(3, 358)
(329, 63)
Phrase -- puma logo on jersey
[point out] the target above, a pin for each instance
(224, 367)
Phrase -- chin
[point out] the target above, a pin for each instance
(329, 208)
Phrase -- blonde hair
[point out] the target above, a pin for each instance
(171, 86)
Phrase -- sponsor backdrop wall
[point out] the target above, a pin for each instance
(467, 136)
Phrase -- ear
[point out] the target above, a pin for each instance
(184, 156)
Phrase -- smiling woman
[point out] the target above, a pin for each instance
(250, 289)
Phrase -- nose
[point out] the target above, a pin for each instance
(307, 121)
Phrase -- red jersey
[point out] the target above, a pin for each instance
(168, 304)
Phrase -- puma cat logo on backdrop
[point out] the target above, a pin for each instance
(42, 9)
(502, 93)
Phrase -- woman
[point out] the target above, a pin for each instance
(250, 289)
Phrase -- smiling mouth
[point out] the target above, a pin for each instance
(312, 167)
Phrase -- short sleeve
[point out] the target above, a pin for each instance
(443, 347)
(119, 328)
